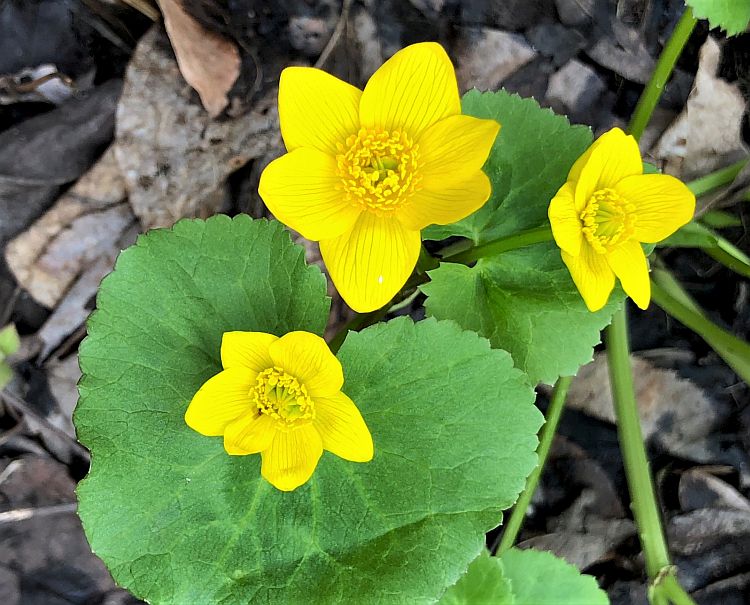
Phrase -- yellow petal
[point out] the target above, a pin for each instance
(451, 155)
(663, 205)
(456, 147)
(591, 275)
(301, 190)
(442, 204)
(613, 157)
(246, 350)
(249, 434)
(370, 263)
(414, 89)
(342, 428)
(307, 357)
(316, 109)
(563, 217)
(292, 457)
(629, 264)
(220, 400)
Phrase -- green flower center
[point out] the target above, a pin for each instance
(282, 397)
(608, 220)
(378, 169)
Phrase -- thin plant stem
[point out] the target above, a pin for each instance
(662, 72)
(640, 484)
(505, 244)
(644, 505)
(554, 413)
(672, 590)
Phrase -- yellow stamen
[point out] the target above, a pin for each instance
(608, 220)
(282, 397)
(378, 169)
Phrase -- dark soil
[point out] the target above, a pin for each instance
(581, 510)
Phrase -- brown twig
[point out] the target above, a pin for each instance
(338, 30)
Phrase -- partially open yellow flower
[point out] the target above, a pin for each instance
(605, 210)
(280, 397)
(367, 170)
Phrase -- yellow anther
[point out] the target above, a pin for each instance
(608, 220)
(378, 169)
(282, 397)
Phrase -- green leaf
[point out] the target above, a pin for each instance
(483, 583)
(528, 163)
(732, 16)
(696, 235)
(720, 219)
(692, 235)
(540, 578)
(524, 301)
(178, 521)
(9, 341)
(669, 294)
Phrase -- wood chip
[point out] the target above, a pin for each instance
(85, 225)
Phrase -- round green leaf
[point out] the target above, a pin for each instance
(483, 583)
(529, 162)
(733, 16)
(540, 578)
(178, 521)
(524, 301)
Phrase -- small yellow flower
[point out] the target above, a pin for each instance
(367, 170)
(280, 397)
(605, 210)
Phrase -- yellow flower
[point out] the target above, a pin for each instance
(605, 210)
(280, 397)
(367, 170)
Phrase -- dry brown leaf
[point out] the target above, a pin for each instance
(707, 134)
(209, 62)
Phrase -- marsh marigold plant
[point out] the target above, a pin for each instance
(606, 209)
(280, 397)
(367, 170)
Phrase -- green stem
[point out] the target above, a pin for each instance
(644, 505)
(662, 72)
(672, 590)
(719, 178)
(554, 413)
(511, 242)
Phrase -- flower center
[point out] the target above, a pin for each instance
(378, 169)
(608, 220)
(282, 397)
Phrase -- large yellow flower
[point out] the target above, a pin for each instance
(605, 210)
(367, 170)
(280, 397)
